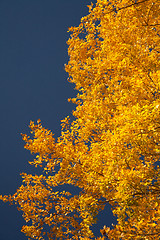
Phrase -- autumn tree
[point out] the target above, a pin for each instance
(111, 149)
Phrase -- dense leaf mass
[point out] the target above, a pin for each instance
(111, 150)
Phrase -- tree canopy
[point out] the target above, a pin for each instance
(111, 149)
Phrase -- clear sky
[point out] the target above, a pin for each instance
(33, 85)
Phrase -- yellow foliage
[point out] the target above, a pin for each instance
(111, 151)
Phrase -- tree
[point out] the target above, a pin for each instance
(111, 149)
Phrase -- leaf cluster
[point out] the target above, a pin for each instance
(111, 151)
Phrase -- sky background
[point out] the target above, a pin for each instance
(33, 85)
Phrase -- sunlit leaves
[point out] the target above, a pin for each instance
(111, 150)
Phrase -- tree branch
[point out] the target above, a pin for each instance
(135, 3)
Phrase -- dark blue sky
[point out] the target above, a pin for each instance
(33, 85)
